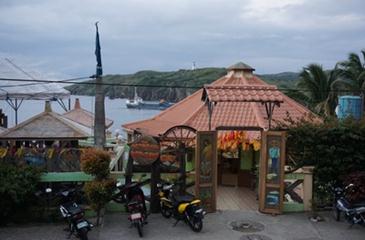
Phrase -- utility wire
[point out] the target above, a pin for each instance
(73, 81)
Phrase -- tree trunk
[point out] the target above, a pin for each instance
(98, 216)
(99, 120)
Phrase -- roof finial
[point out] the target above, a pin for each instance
(77, 104)
(241, 66)
(48, 107)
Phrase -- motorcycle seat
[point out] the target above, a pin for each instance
(184, 198)
(74, 210)
(134, 203)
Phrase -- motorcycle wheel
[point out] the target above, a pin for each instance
(83, 234)
(336, 213)
(139, 228)
(196, 224)
(165, 211)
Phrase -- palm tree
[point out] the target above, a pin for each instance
(315, 84)
(352, 74)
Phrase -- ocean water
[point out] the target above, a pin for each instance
(115, 109)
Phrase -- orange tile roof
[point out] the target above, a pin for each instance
(242, 93)
(193, 112)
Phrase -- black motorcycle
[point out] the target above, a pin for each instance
(133, 197)
(354, 213)
(74, 215)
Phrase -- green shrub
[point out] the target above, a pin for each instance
(358, 180)
(99, 191)
(334, 148)
(95, 162)
(17, 186)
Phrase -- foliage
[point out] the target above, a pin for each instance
(99, 192)
(197, 77)
(334, 148)
(95, 162)
(352, 73)
(358, 180)
(316, 84)
(17, 185)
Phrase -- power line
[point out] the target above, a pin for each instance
(73, 81)
(94, 83)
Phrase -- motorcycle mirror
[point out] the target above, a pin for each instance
(119, 184)
(48, 190)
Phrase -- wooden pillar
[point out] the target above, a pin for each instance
(129, 170)
(155, 178)
(181, 158)
(308, 187)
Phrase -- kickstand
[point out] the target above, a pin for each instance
(176, 223)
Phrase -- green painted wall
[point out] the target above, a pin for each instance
(246, 159)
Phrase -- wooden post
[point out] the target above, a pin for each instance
(99, 119)
(129, 170)
(181, 159)
(155, 178)
(308, 187)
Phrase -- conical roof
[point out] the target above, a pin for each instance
(47, 125)
(241, 66)
(193, 112)
(83, 116)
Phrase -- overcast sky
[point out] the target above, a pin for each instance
(57, 37)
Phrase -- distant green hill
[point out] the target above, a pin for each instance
(197, 78)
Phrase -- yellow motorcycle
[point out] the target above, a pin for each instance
(182, 207)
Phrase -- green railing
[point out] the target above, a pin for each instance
(52, 177)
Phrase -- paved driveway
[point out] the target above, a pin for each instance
(216, 226)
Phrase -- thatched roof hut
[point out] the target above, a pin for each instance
(47, 125)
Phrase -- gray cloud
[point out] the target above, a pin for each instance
(57, 37)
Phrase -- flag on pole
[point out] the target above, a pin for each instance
(99, 68)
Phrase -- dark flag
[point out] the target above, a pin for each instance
(99, 68)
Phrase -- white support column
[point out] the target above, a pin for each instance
(308, 187)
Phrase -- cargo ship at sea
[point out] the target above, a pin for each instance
(138, 103)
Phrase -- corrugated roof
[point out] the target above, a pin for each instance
(47, 125)
(193, 112)
(83, 116)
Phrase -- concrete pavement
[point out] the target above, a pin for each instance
(216, 226)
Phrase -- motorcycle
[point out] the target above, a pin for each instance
(183, 207)
(354, 213)
(133, 197)
(74, 215)
(70, 211)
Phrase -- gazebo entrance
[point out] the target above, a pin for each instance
(225, 179)
(237, 170)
